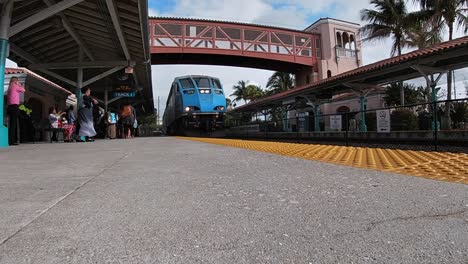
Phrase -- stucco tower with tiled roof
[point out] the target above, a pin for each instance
(340, 46)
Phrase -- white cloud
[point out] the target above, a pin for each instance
(296, 14)
(11, 64)
(153, 12)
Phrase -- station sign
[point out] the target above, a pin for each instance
(383, 121)
(335, 122)
(124, 94)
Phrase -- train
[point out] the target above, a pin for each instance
(195, 102)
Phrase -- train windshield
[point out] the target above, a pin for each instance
(217, 84)
(186, 83)
(202, 82)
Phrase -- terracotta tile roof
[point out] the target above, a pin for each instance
(36, 76)
(364, 69)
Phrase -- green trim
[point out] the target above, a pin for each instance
(3, 129)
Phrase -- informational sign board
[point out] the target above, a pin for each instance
(383, 121)
(124, 94)
(335, 122)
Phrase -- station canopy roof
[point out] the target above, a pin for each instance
(443, 57)
(46, 36)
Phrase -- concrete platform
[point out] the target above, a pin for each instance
(168, 200)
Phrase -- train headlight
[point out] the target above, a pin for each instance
(187, 109)
(205, 91)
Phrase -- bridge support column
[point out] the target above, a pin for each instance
(5, 21)
(305, 76)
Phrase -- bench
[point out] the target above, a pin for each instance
(60, 132)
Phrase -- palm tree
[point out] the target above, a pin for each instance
(449, 12)
(422, 34)
(228, 104)
(253, 92)
(389, 19)
(280, 82)
(240, 91)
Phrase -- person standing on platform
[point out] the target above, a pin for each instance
(85, 116)
(15, 89)
(127, 121)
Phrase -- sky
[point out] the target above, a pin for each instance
(295, 14)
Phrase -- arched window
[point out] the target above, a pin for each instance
(329, 74)
(353, 42)
(345, 40)
(339, 40)
(342, 109)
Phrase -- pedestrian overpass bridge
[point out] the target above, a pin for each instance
(196, 41)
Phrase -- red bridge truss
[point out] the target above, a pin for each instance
(188, 41)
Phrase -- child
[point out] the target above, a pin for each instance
(111, 125)
(54, 122)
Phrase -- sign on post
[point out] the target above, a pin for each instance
(335, 122)
(383, 121)
(124, 94)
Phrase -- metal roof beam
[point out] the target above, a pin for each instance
(28, 57)
(85, 64)
(46, 13)
(102, 75)
(69, 28)
(115, 20)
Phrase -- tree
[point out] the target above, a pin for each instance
(253, 92)
(414, 95)
(280, 82)
(422, 34)
(228, 104)
(240, 91)
(389, 19)
(449, 12)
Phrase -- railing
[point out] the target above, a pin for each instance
(411, 124)
(232, 37)
(348, 53)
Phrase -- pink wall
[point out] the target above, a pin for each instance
(348, 58)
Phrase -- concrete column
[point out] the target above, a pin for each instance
(304, 76)
(5, 21)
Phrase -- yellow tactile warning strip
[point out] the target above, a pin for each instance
(444, 166)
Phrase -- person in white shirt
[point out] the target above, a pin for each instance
(54, 122)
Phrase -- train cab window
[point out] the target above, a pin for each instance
(217, 84)
(186, 83)
(202, 82)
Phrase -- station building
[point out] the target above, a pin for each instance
(40, 95)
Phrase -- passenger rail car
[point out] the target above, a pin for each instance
(195, 102)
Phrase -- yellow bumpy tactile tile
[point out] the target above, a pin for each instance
(444, 166)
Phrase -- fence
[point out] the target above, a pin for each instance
(414, 124)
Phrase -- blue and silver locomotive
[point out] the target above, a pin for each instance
(194, 102)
